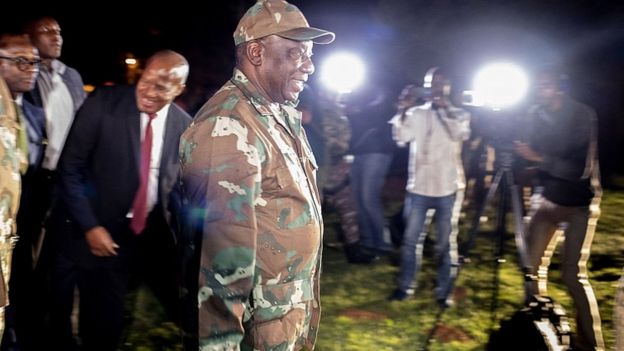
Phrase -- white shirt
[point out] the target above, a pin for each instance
(59, 111)
(435, 166)
(158, 138)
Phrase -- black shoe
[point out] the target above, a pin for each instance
(398, 295)
(356, 255)
(445, 303)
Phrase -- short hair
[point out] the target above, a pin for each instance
(21, 39)
(554, 72)
(241, 50)
(29, 27)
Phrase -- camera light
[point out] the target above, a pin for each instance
(500, 85)
(342, 72)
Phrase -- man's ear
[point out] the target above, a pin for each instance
(255, 53)
(179, 89)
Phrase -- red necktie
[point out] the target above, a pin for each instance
(139, 207)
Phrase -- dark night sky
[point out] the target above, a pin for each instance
(399, 40)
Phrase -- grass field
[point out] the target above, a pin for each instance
(357, 317)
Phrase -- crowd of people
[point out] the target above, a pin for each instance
(220, 214)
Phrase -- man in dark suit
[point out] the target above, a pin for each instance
(117, 172)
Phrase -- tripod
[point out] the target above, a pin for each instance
(505, 184)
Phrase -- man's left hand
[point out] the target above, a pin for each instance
(526, 152)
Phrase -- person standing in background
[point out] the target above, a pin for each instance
(435, 132)
(328, 132)
(562, 144)
(372, 148)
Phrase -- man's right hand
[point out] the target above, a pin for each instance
(100, 242)
(408, 98)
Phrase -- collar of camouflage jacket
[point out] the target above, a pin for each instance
(284, 113)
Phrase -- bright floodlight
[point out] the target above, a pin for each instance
(500, 85)
(342, 72)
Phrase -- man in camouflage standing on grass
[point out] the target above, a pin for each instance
(249, 177)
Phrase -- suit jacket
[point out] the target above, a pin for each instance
(99, 166)
(72, 80)
(35, 118)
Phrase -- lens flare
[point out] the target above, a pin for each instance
(500, 85)
(342, 72)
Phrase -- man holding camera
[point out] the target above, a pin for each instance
(563, 144)
(435, 131)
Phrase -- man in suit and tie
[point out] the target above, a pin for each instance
(112, 223)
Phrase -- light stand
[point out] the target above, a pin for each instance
(505, 184)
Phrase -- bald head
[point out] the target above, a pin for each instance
(171, 61)
(162, 81)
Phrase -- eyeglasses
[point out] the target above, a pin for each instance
(23, 64)
(299, 55)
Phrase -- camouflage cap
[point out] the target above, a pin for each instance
(278, 17)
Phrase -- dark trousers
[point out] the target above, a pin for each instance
(103, 284)
(28, 282)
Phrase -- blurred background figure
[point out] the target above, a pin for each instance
(435, 132)
(371, 145)
(562, 145)
(329, 134)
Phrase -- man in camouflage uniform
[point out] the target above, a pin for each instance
(19, 65)
(13, 161)
(334, 177)
(249, 176)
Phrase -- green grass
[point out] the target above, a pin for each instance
(356, 315)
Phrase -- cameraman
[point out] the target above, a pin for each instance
(562, 142)
(435, 131)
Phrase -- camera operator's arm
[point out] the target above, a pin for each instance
(403, 130)
(526, 152)
(456, 121)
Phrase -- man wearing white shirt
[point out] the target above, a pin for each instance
(435, 132)
(113, 218)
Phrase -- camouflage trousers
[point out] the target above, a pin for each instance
(342, 202)
(337, 195)
(619, 316)
(7, 243)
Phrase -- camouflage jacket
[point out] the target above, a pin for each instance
(12, 160)
(334, 174)
(249, 177)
